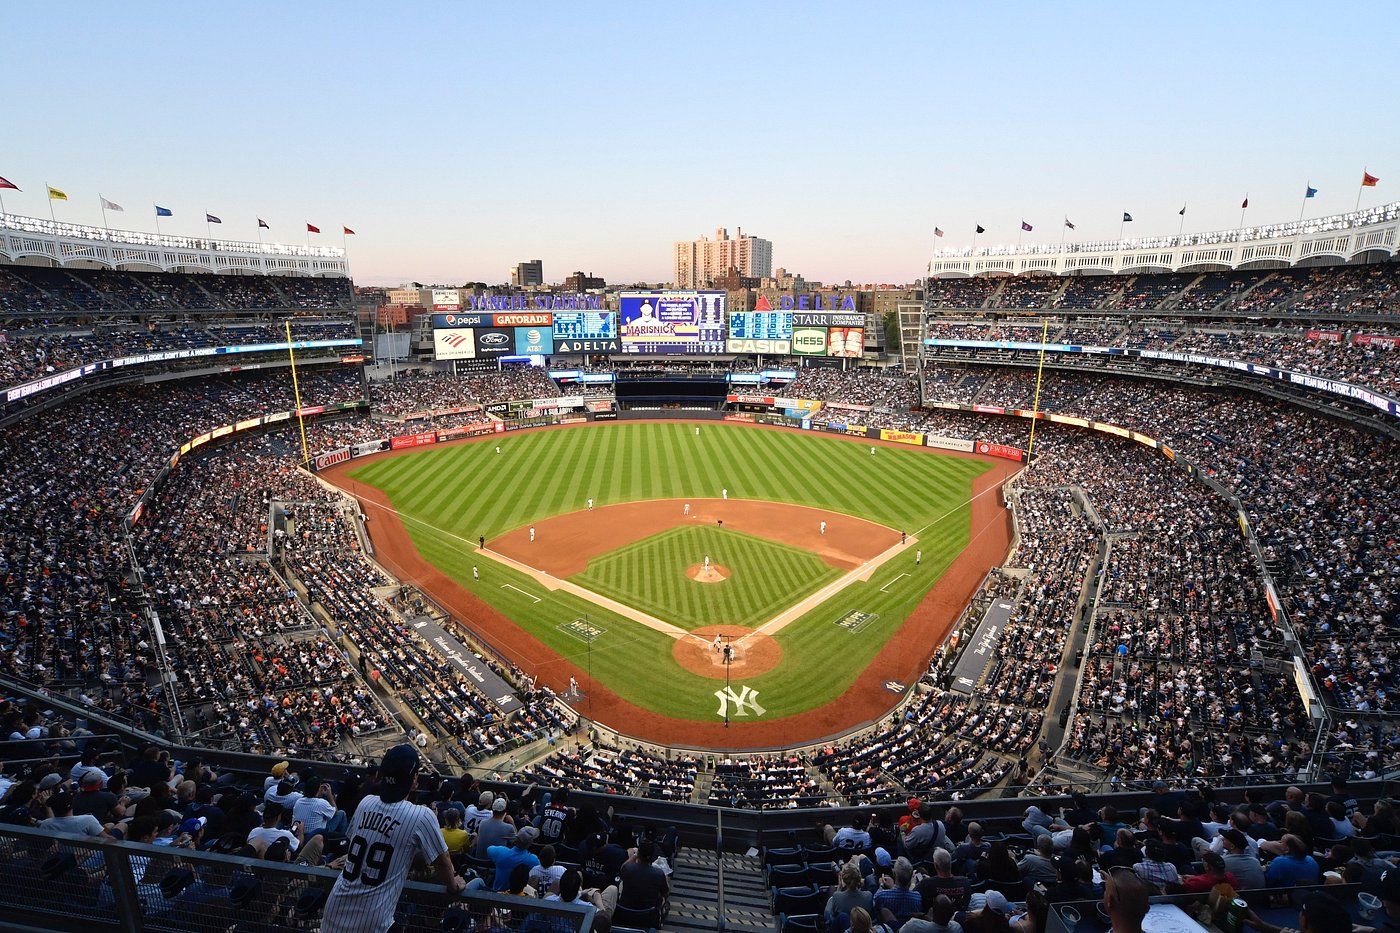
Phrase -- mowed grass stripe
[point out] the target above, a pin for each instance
(455, 490)
(651, 575)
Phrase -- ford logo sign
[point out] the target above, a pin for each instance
(493, 340)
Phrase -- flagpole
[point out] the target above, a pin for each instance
(157, 210)
(208, 230)
(1243, 207)
(1359, 188)
(1304, 206)
(1121, 223)
(1181, 226)
(57, 251)
(102, 202)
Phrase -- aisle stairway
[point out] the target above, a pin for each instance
(695, 894)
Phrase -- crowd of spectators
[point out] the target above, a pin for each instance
(428, 390)
(35, 290)
(627, 772)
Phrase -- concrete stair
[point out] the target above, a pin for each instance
(695, 894)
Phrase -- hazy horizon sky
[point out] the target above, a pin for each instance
(458, 140)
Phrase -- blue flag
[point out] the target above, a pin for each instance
(1127, 218)
(163, 211)
(1311, 192)
(211, 219)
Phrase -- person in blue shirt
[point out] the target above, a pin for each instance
(1295, 867)
(507, 857)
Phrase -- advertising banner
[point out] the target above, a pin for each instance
(673, 322)
(828, 319)
(605, 416)
(331, 458)
(948, 443)
(779, 347)
(744, 379)
(524, 319)
(750, 399)
(412, 440)
(368, 447)
(809, 341)
(1000, 450)
(806, 404)
(574, 346)
(739, 416)
(1376, 340)
(467, 319)
(856, 430)
(447, 299)
(533, 341)
(902, 437)
(493, 341)
(455, 344)
(847, 342)
(1330, 336)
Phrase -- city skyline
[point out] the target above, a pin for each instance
(861, 132)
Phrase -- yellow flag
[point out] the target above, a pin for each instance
(56, 195)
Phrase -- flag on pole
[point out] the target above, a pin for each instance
(1311, 192)
(6, 183)
(262, 224)
(164, 211)
(211, 219)
(1244, 204)
(1127, 218)
(312, 229)
(1068, 224)
(1182, 212)
(937, 232)
(109, 205)
(1367, 180)
(1026, 227)
(55, 194)
(981, 229)
(348, 232)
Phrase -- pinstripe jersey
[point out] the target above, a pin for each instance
(384, 838)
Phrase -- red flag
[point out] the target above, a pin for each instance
(1368, 180)
(347, 231)
(311, 229)
(1244, 204)
(6, 183)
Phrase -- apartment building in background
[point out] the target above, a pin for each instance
(703, 262)
(528, 273)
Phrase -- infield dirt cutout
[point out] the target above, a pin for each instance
(711, 574)
(754, 652)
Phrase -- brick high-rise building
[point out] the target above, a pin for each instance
(528, 273)
(703, 262)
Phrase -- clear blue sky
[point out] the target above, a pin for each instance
(458, 139)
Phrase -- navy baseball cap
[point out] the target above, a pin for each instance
(399, 766)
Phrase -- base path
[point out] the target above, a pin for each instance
(565, 544)
(903, 658)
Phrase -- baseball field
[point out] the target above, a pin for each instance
(819, 549)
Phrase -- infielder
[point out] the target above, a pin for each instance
(590, 505)
(724, 493)
(387, 832)
(823, 527)
(918, 557)
(532, 534)
(687, 509)
(476, 574)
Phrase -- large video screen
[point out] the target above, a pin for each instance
(673, 322)
(578, 332)
(760, 332)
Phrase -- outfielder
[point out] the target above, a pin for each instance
(724, 493)
(590, 505)
(386, 834)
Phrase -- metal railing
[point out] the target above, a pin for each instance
(62, 882)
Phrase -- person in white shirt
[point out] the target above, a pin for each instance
(480, 813)
(284, 793)
(319, 814)
(544, 877)
(260, 837)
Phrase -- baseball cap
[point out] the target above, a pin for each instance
(1235, 838)
(913, 803)
(192, 825)
(61, 802)
(882, 857)
(499, 806)
(484, 801)
(1390, 885)
(527, 836)
(93, 776)
(397, 769)
(997, 901)
(280, 769)
(50, 781)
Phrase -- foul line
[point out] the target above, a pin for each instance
(886, 587)
(511, 586)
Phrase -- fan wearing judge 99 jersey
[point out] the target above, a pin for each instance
(387, 834)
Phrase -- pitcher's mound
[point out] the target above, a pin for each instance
(716, 573)
(754, 654)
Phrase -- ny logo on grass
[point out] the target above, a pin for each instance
(746, 699)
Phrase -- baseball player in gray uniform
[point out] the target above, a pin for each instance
(386, 834)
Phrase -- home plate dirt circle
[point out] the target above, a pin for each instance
(754, 654)
(715, 574)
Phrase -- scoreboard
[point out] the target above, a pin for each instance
(760, 325)
(585, 325)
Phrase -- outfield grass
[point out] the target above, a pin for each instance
(448, 496)
(650, 575)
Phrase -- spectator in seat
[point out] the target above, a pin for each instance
(1155, 869)
(1214, 873)
(853, 836)
(1320, 913)
(1294, 867)
(1238, 862)
(849, 894)
(318, 814)
(956, 888)
(453, 834)
(994, 917)
(506, 858)
(95, 799)
(999, 867)
(643, 886)
(970, 852)
(62, 819)
(920, 841)
(938, 919)
(497, 831)
(1038, 867)
(896, 900)
(1125, 897)
(545, 876)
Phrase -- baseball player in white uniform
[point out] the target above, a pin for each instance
(387, 833)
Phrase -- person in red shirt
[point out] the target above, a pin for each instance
(1214, 874)
(911, 819)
